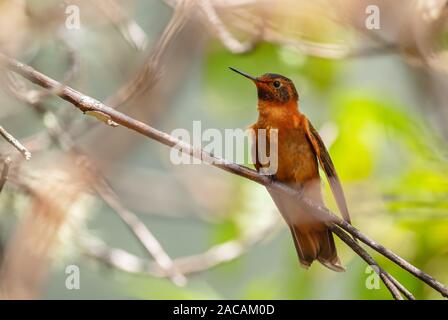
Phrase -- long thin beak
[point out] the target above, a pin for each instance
(244, 74)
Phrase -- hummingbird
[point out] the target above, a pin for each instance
(300, 152)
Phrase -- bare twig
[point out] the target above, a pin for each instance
(385, 277)
(15, 143)
(86, 103)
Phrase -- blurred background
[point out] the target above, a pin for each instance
(375, 89)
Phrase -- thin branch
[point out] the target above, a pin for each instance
(385, 277)
(86, 103)
(151, 69)
(226, 37)
(402, 289)
(117, 258)
(329, 50)
(129, 29)
(5, 172)
(392, 256)
(216, 255)
(15, 143)
(220, 253)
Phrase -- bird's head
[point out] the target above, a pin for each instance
(273, 89)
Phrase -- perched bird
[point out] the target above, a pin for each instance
(300, 149)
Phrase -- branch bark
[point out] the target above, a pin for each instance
(15, 143)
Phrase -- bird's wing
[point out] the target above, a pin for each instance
(327, 165)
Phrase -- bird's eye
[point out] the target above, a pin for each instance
(277, 84)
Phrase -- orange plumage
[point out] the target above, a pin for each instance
(300, 150)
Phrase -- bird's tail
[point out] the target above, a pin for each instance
(312, 238)
(315, 242)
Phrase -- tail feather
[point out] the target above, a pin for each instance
(312, 238)
(316, 243)
(305, 258)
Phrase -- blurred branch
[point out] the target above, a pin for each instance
(216, 255)
(86, 103)
(30, 248)
(36, 96)
(267, 32)
(151, 69)
(183, 11)
(226, 37)
(328, 50)
(128, 28)
(74, 63)
(5, 172)
(220, 253)
(142, 233)
(15, 143)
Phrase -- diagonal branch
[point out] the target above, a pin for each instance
(15, 143)
(393, 285)
(436, 285)
(86, 103)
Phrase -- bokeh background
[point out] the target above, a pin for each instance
(378, 97)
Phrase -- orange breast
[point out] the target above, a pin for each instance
(297, 162)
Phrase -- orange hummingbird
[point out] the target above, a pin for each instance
(300, 149)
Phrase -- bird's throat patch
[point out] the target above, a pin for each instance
(279, 96)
